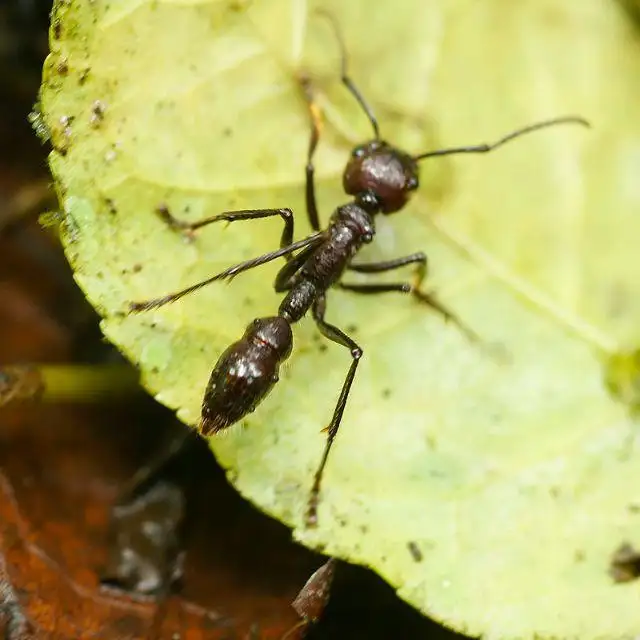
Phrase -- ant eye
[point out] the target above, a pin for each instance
(412, 183)
(358, 152)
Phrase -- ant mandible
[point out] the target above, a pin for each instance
(381, 178)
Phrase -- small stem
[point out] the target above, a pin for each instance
(67, 382)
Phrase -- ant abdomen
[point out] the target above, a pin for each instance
(245, 373)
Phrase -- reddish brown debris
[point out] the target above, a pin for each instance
(312, 600)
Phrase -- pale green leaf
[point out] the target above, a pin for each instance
(517, 477)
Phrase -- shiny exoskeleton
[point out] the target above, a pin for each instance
(381, 179)
(245, 373)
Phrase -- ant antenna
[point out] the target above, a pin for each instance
(485, 148)
(346, 80)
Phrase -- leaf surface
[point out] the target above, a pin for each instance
(515, 477)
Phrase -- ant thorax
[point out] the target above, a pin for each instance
(356, 221)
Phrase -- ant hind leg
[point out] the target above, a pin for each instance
(413, 288)
(335, 335)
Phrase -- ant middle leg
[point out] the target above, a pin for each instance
(413, 288)
(232, 216)
(335, 335)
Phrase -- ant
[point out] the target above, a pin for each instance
(381, 179)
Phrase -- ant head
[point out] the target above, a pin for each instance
(387, 173)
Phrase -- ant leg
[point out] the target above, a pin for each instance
(346, 79)
(389, 265)
(421, 296)
(335, 335)
(285, 275)
(232, 216)
(228, 274)
(316, 129)
(413, 288)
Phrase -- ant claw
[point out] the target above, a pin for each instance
(173, 223)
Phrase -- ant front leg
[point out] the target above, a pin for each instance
(232, 216)
(316, 128)
(335, 335)
(413, 288)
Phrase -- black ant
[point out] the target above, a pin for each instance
(381, 178)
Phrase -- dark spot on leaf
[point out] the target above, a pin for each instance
(625, 563)
(137, 268)
(414, 550)
(386, 393)
(111, 206)
(238, 6)
(98, 109)
(63, 67)
(352, 328)
(227, 132)
(84, 74)
(622, 378)
(322, 347)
